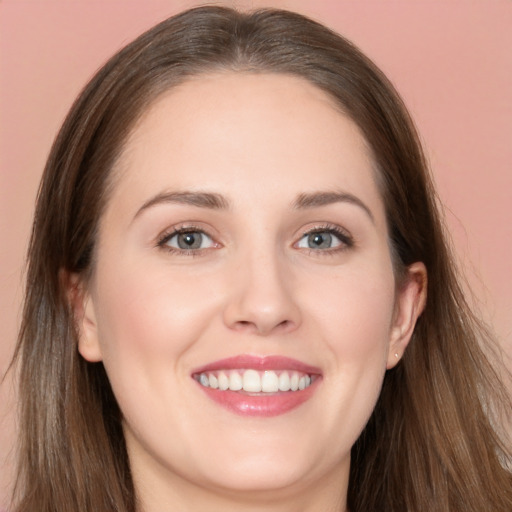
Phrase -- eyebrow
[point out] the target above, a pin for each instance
(318, 199)
(200, 199)
(215, 201)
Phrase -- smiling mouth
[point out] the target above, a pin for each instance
(254, 381)
(258, 386)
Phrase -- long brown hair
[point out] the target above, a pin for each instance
(430, 443)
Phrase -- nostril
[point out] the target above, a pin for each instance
(261, 328)
(243, 325)
(284, 324)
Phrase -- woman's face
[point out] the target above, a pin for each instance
(245, 245)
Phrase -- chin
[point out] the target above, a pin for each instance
(259, 476)
(275, 466)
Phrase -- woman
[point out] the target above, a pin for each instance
(239, 296)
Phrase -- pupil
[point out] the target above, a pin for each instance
(320, 240)
(189, 241)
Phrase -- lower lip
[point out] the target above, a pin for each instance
(260, 404)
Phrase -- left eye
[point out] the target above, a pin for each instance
(189, 240)
(319, 240)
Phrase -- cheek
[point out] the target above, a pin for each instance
(354, 315)
(148, 324)
(355, 311)
(149, 318)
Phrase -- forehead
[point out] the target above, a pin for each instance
(245, 132)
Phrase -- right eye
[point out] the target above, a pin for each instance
(186, 240)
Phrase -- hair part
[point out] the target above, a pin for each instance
(429, 443)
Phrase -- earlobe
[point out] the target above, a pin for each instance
(410, 302)
(82, 307)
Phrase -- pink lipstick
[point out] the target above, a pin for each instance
(258, 386)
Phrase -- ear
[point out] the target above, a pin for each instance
(410, 302)
(82, 307)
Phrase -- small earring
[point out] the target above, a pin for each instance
(396, 355)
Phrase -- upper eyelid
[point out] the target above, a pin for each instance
(331, 228)
(176, 230)
(326, 227)
(183, 227)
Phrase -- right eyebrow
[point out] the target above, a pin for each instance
(200, 199)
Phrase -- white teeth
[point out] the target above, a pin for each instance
(270, 382)
(235, 381)
(294, 381)
(214, 383)
(284, 381)
(253, 381)
(223, 381)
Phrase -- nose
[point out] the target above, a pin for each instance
(261, 299)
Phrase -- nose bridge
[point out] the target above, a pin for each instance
(262, 300)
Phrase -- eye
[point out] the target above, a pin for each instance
(318, 240)
(325, 239)
(186, 240)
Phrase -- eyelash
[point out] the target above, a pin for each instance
(168, 235)
(346, 240)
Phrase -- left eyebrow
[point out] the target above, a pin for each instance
(318, 199)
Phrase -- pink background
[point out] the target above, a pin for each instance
(450, 60)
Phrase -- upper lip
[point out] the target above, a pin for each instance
(262, 363)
